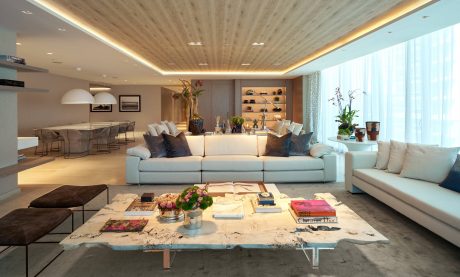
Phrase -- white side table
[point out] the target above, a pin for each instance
(354, 145)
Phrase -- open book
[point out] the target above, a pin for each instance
(235, 188)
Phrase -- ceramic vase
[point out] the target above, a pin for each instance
(196, 126)
(373, 130)
(193, 219)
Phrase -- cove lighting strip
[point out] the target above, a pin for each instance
(393, 15)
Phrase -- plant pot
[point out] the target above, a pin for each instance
(193, 219)
(236, 129)
(196, 126)
(373, 130)
(172, 215)
(343, 137)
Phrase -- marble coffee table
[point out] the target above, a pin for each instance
(254, 231)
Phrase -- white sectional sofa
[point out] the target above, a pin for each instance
(428, 204)
(229, 158)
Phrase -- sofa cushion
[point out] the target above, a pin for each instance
(230, 145)
(162, 128)
(318, 150)
(140, 151)
(196, 145)
(452, 181)
(156, 146)
(261, 144)
(292, 163)
(152, 129)
(397, 155)
(176, 146)
(232, 163)
(383, 154)
(428, 163)
(428, 197)
(278, 146)
(179, 164)
(300, 145)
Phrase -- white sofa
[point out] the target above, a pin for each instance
(428, 204)
(230, 158)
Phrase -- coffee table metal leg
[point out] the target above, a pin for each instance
(314, 261)
(166, 259)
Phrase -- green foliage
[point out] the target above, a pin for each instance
(237, 120)
(193, 198)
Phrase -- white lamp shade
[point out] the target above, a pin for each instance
(77, 96)
(104, 98)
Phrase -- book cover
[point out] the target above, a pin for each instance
(113, 225)
(312, 219)
(138, 208)
(265, 208)
(228, 209)
(265, 198)
(304, 208)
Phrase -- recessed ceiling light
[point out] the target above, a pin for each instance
(203, 64)
(26, 12)
(18, 43)
(62, 29)
(57, 62)
(78, 68)
(49, 53)
(195, 43)
(276, 64)
(258, 44)
(125, 80)
(104, 75)
(245, 64)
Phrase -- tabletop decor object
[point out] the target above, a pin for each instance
(359, 134)
(237, 123)
(193, 200)
(373, 130)
(131, 225)
(346, 113)
(167, 207)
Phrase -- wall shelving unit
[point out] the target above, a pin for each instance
(269, 97)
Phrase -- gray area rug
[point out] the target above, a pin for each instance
(413, 250)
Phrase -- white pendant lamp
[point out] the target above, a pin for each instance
(104, 98)
(77, 96)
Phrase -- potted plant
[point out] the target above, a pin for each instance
(193, 200)
(189, 94)
(237, 122)
(166, 204)
(346, 113)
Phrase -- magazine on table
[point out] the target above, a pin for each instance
(138, 208)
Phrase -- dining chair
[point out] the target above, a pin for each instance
(77, 143)
(113, 142)
(122, 130)
(130, 128)
(46, 139)
(101, 138)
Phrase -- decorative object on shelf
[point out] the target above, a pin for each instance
(279, 92)
(249, 109)
(277, 110)
(346, 113)
(359, 134)
(246, 101)
(254, 124)
(12, 59)
(250, 92)
(218, 129)
(237, 122)
(190, 94)
(274, 92)
(263, 93)
(373, 130)
(276, 99)
(77, 96)
(129, 103)
(193, 200)
(228, 129)
(169, 211)
(252, 101)
(263, 110)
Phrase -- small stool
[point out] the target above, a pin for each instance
(70, 197)
(22, 227)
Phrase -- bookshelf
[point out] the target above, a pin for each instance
(255, 99)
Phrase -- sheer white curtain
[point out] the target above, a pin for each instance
(412, 88)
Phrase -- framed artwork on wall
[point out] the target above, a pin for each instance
(100, 108)
(129, 103)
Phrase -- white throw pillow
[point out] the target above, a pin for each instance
(428, 163)
(295, 128)
(140, 151)
(162, 127)
(318, 150)
(152, 130)
(383, 154)
(172, 128)
(397, 154)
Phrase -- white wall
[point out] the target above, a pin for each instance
(8, 116)
(37, 110)
(150, 106)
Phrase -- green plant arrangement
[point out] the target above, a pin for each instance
(237, 120)
(346, 113)
(194, 198)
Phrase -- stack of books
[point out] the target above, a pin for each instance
(312, 211)
(265, 203)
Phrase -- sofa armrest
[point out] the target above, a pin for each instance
(330, 167)
(132, 169)
(356, 160)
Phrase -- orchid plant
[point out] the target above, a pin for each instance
(346, 113)
(194, 198)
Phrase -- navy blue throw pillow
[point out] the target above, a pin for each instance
(156, 146)
(300, 145)
(278, 146)
(176, 146)
(452, 181)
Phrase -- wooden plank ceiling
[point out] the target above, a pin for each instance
(159, 30)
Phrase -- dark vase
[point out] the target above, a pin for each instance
(236, 129)
(196, 126)
(373, 130)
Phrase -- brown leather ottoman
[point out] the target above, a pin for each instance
(22, 227)
(70, 197)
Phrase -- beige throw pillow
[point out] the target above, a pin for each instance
(428, 163)
(152, 129)
(397, 154)
(383, 154)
